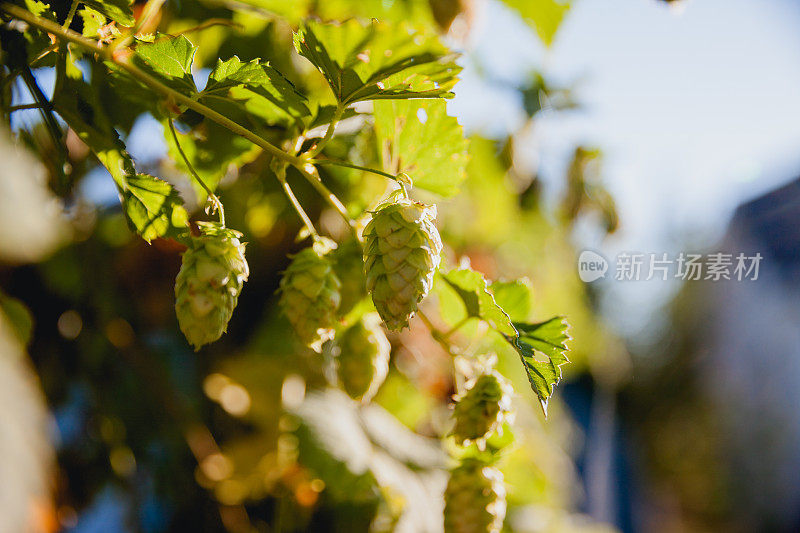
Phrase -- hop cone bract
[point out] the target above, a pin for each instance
(401, 254)
(475, 499)
(310, 294)
(362, 361)
(207, 288)
(482, 408)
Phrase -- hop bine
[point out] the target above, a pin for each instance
(401, 254)
(310, 294)
(362, 358)
(207, 287)
(475, 499)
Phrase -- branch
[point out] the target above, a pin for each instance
(123, 62)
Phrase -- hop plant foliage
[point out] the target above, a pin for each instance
(311, 294)
(482, 407)
(362, 360)
(207, 288)
(401, 253)
(475, 499)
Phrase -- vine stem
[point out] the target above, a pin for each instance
(214, 198)
(455, 328)
(437, 335)
(280, 173)
(72, 9)
(34, 105)
(116, 56)
(338, 163)
(123, 62)
(337, 115)
(309, 172)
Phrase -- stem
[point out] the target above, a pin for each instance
(72, 9)
(25, 106)
(437, 335)
(337, 115)
(337, 163)
(214, 198)
(313, 178)
(207, 24)
(280, 173)
(455, 328)
(107, 53)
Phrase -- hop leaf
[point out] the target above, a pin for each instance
(482, 407)
(475, 499)
(311, 293)
(401, 254)
(208, 285)
(362, 360)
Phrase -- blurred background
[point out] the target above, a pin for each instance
(636, 126)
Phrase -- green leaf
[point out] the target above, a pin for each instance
(169, 60)
(260, 85)
(153, 207)
(542, 348)
(93, 21)
(473, 289)
(514, 297)
(118, 10)
(420, 139)
(79, 106)
(40, 9)
(377, 61)
(545, 16)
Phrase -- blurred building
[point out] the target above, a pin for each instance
(713, 410)
(750, 362)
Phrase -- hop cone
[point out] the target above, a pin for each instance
(348, 263)
(475, 499)
(482, 408)
(208, 285)
(310, 294)
(401, 254)
(363, 358)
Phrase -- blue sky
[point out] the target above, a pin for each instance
(696, 110)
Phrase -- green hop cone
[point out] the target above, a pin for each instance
(481, 408)
(207, 287)
(348, 263)
(401, 254)
(362, 358)
(310, 294)
(475, 499)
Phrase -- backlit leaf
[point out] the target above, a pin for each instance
(377, 61)
(479, 302)
(419, 138)
(542, 349)
(153, 207)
